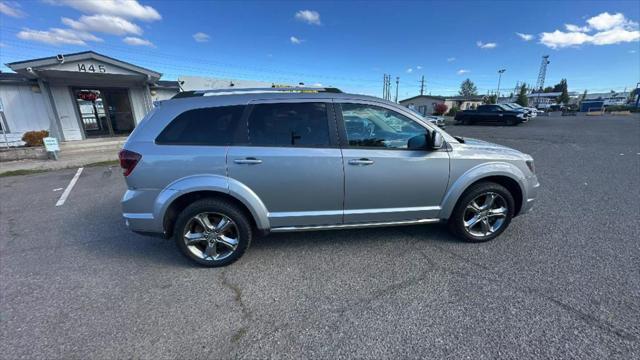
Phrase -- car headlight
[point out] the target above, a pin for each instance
(531, 166)
(521, 115)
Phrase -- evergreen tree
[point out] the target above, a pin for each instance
(468, 88)
(564, 96)
(522, 99)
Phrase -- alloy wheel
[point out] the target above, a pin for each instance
(485, 214)
(211, 236)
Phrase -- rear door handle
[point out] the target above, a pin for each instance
(360, 162)
(248, 161)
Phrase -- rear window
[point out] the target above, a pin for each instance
(289, 124)
(207, 126)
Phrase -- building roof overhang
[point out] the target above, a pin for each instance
(59, 66)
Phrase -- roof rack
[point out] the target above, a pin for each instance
(239, 91)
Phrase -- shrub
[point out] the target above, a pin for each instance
(622, 108)
(452, 112)
(34, 138)
(439, 109)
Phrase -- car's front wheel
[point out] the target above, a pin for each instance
(483, 212)
(212, 232)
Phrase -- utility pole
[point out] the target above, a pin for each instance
(397, 83)
(422, 85)
(384, 86)
(499, 78)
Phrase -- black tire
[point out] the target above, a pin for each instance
(457, 219)
(230, 210)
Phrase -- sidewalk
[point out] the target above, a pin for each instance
(72, 154)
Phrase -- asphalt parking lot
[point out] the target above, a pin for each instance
(562, 282)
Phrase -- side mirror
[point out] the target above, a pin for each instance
(418, 142)
(435, 140)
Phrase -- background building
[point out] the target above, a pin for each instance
(424, 104)
(78, 96)
(87, 94)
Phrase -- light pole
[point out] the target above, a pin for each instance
(499, 78)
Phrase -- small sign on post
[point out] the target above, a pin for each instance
(52, 147)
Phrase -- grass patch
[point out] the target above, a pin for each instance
(21, 172)
(104, 163)
(37, 171)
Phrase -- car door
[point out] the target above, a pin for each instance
(384, 180)
(290, 158)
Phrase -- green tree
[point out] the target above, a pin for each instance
(490, 99)
(564, 90)
(468, 88)
(548, 89)
(522, 99)
(584, 95)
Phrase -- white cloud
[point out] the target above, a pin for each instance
(576, 28)
(103, 23)
(610, 29)
(130, 9)
(309, 16)
(136, 41)
(409, 70)
(463, 71)
(525, 37)
(451, 59)
(201, 37)
(559, 39)
(11, 8)
(632, 51)
(483, 45)
(419, 67)
(606, 21)
(295, 40)
(615, 36)
(55, 36)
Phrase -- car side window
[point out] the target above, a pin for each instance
(206, 126)
(378, 127)
(289, 124)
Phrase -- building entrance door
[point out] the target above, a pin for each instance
(104, 112)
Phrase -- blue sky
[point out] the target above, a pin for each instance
(345, 44)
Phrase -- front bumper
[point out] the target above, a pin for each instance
(530, 195)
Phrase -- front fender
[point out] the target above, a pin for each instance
(215, 183)
(474, 174)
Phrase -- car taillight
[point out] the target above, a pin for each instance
(128, 161)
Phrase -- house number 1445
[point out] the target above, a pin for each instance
(91, 68)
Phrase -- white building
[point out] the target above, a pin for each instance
(78, 96)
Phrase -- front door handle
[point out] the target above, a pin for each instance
(248, 161)
(360, 162)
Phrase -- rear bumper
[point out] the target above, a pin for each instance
(136, 207)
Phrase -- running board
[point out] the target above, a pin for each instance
(354, 226)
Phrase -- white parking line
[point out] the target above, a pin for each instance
(67, 191)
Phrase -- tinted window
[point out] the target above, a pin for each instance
(289, 124)
(373, 126)
(208, 126)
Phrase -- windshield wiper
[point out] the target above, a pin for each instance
(459, 138)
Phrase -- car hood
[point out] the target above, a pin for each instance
(477, 145)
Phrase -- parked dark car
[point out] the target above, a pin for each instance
(495, 113)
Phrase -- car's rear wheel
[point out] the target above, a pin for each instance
(212, 232)
(483, 212)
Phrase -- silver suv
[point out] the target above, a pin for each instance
(213, 169)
